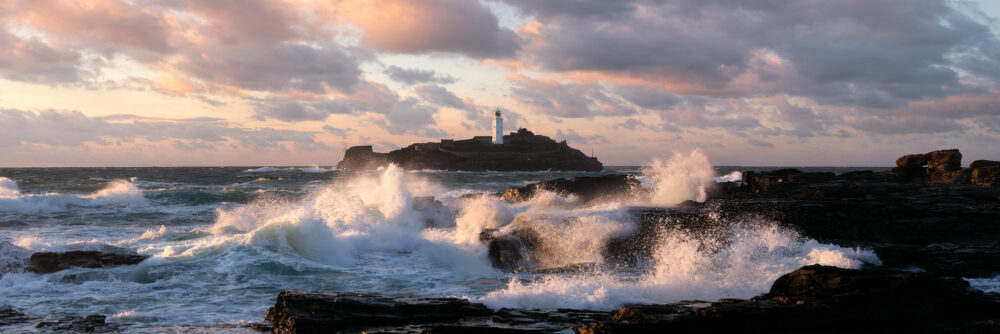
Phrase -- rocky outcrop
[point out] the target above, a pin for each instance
(586, 188)
(810, 299)
(830, 300)
(951, 229)
(521, 151)
(50, 262)
(12, 321)
(330, 312)
(945, 167)
(362, 158)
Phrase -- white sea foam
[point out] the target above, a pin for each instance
(685, 270)
(115, 193)
(265, 170)
(734, 176)
(315, 169)
(985, 284)
(681, 178)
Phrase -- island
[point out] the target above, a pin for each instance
(517, 151)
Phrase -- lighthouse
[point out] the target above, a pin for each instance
(497, 128)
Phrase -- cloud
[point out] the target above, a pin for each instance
(73, 128)
(558, 99)
(441, 96)
(415, 76)
(34, 60)
(572, 136)
(756, 142)
(853, 52)
(414, 27)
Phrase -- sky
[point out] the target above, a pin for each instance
(296, 82)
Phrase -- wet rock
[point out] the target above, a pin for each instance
(587, 188)
(12, 321)
(90, 324)
(328, 312)
(781, 181)
(50, 262)
(829, 300)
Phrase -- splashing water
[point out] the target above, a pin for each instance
(682, 178)
(373, 231)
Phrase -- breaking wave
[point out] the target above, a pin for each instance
(115, 193)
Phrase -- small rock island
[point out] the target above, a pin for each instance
(521, 150)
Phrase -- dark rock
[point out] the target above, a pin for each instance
(90, 324)
(12, 321)
(912, 161)
(830, 300)
(521, 151)
(50, 262)
(362, 158)
(329, 312)
(781, 181)
(984, 163)
(587, 188)
(986, 176)
(945, 161)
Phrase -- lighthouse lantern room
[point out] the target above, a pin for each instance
(497, 128)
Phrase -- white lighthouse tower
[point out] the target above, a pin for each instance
(498, 128)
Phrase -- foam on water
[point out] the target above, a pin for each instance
(985, 284)
(374, 232)
(115, 193)
(734, 176)
(684, 270)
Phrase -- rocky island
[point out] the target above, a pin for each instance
(518, 151)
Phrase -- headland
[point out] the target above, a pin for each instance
(521, 150)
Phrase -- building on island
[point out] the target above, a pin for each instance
(497, 128)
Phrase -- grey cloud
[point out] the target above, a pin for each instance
(73, 128)
(415, 76)
(462, 27)
(276, 66)
(577, 8)
(441, 96)
(755, 142)
(569, 99)
(877, 54)
(572, 136)
(34, 60)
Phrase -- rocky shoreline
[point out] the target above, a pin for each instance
(930, 226)
(929, 221)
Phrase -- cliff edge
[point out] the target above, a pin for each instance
(521, 151)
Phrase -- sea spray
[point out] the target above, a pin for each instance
(685, 269)
(681, 178)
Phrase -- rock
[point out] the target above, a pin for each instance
(329, 312)
(362, 158)
(782, 180)
(912, 161)
(945, 160)
(984, 163)
(830, 300)
(587, 188)
(986, 176)
(49, 262)
(521, 151)
(12, 321)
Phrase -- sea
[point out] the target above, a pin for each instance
(224, 241)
